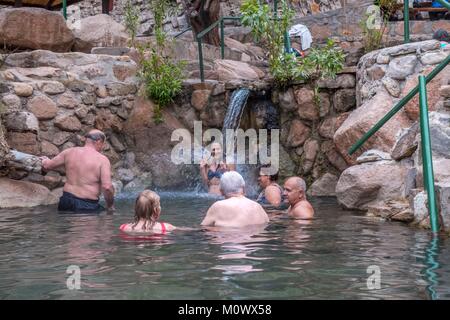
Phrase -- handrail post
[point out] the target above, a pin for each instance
(406, 20)
(64, 8)
(397, 107)
(287, 42)
(222, 39)
(427, 160)
(200, 59)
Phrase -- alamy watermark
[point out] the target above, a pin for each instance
(73, 282)
(241, 147)
(374, 20)
(374, 280)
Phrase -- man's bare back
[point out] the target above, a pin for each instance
(235, 212)
(84, 168)
(88, 175)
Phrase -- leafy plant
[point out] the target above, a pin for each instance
(162, 76)
(320, 63)
(131, 21)
(373, 33)
(163, 80)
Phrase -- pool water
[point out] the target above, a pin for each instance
(332, 257)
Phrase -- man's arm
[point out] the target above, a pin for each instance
(273, 195)
(49, 164)
(209, 219)
(106, 184)
(303, 211)
(203, 172)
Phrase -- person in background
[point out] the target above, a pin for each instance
(442, 36)
(295, 194)
(272, 193)
(213, 167)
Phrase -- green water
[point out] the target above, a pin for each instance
(326, 259)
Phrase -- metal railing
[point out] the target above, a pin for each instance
(182, 32)
(428, 175)
(221, 25)
(397, 107)
(427, 160)
(406, 37)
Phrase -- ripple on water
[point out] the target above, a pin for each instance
(323, 259)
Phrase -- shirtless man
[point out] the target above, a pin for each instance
(295, 193)
(88, 174)
(236, 210)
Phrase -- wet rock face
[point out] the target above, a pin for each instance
(265, 115)
(154, 155)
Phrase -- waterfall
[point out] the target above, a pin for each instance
(232, 120)
(235, 109)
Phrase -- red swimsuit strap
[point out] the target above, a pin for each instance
(163, 227)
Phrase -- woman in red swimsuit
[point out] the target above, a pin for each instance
(146, 213)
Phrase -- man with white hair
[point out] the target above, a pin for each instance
(236, 210)
(295, 193)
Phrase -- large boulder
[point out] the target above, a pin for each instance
(35, 28)
(366, 184)
(236, 70)
(325, 186)
(99, 31)
(363, 118)
(433, 87)
(15, 194)
(151, 143)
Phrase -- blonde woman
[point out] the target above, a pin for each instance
(147, 211)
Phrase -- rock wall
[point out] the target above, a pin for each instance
(307, 125)
(52, 99)
(177, 21)
(387, 180)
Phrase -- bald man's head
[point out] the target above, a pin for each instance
(95, 135)
(95, 138)
(298, 183)
(294, 190)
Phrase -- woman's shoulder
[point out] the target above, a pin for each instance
(125, 227)
(164, 226)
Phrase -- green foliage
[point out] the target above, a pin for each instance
(373, 35)
(325, 61)
(285, 67)
(131, 20)
(162, 76)
(163, 80)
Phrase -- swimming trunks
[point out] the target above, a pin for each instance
(69, 202)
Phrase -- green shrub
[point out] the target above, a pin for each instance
(131, 20)
(161, 75)
(285, 68)
(163, 80)
(373, 34)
